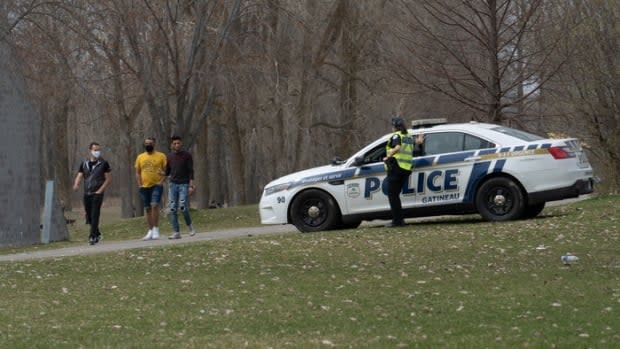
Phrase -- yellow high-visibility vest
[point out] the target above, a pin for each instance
(404, 157)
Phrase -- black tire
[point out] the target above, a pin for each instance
(532, 211)
(500, 199)
(314, 210)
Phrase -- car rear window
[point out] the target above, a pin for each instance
(522, 135)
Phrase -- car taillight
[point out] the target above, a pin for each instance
(559, 153)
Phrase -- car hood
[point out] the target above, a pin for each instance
(315, 174)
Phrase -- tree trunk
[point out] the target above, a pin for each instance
(202, 161)
(126, 173)
(495, 92)
(218, 178)
(63, 177)
(348, 88)
(237, 158)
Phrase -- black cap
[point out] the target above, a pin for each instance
(398, 122)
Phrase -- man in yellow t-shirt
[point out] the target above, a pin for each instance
(150, 175)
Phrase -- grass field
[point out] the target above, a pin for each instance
(453, 283)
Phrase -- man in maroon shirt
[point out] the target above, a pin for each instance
(180, 171)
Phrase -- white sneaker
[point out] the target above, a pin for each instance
(148, 236)
(155, 233)
(192, 232)
(175, 236)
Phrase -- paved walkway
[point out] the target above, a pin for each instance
(111, 246)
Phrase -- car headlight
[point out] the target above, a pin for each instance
(277, 188)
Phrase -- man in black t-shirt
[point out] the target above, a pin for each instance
(96, 174)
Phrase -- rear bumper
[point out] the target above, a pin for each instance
(581, 187)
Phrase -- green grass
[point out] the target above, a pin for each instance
(453, 283)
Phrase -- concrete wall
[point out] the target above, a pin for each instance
(20, 183)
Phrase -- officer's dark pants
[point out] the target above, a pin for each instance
(396, 178)
(92, 206)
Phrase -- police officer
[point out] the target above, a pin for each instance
(398, 162)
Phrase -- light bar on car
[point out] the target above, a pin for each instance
(423, 123)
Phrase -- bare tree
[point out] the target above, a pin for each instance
(587, 93)
(176, 47)
(478, 53)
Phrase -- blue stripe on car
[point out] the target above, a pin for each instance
(371, 169)
(423, 162)
(329, 176)
(532, 146)
(499, 165)
(477, 173)
(458, 157)
(487, 151)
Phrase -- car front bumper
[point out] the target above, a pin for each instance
(273, 209)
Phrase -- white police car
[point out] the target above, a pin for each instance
(499, 172)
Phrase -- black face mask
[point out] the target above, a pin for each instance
(149, 148)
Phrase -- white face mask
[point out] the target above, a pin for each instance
(95, 153)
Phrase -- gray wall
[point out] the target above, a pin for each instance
(20, 183)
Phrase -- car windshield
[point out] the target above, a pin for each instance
(522, 135)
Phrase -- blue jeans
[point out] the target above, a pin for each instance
(178, 195)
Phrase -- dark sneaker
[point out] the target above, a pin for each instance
(92, 240)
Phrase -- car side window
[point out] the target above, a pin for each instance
(450, 142)
(375, 155)
(473, 143)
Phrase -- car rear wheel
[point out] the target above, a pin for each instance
(532, 211)
(314, 210)
(500, 199)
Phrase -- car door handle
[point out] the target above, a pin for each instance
(473, 158)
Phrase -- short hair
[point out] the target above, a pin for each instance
(90, 146)
(175, 138)
(150, 139)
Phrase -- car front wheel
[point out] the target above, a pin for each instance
(500, 199)
(314, 210)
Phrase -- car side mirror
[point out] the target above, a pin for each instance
(359, 161)
(337, 161)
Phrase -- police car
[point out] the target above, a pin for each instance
(496, 171)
